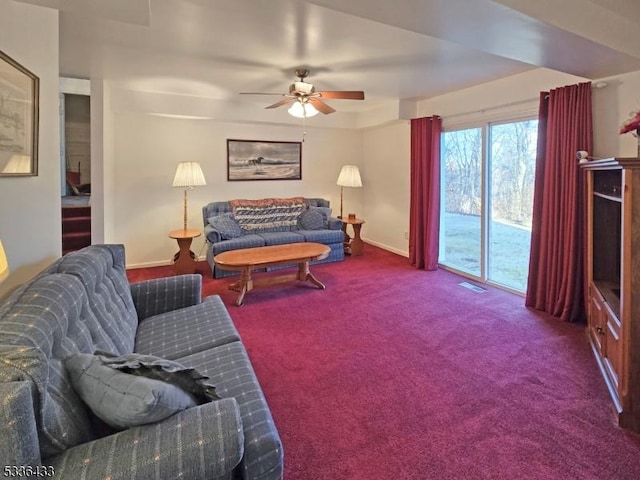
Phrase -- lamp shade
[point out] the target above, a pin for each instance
(188, 174)
(302, 110)
(349, 176)
(4, 264)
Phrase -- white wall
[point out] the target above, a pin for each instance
(147, 148)
(30, 213)
(612, 105)
(386, 186)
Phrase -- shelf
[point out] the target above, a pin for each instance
(613, 198)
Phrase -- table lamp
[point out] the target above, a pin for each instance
(349, 177)
(4, 264)
(188, 175)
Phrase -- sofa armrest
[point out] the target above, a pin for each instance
(335, 223)
(18, 434)
(160, 295)
(199, 443)
(211, 234)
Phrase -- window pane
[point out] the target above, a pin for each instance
(460, 230)
(512, 170)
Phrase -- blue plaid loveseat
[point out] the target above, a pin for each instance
(83, 303)
(270, 226)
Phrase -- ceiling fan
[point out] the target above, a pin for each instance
(305, 101)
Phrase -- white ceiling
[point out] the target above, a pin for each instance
(390, 49)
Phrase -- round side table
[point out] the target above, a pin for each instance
(353, 246)
(184, 261)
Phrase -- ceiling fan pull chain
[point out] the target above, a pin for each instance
(304, 127)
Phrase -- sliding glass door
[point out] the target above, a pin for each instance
(512, 162)
(461, 202)
(487, 200)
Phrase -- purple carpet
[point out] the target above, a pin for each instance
(392, 372)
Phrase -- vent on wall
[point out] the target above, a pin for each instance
(473, 287)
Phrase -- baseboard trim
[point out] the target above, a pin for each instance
(387, 248)
(163, 263)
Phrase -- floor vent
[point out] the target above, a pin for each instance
(473, 287)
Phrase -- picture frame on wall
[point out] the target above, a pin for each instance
(263, 160)
(19, 97)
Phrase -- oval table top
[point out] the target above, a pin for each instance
(271, 254)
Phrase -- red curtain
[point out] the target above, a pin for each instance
(424, 213)
(555, 281)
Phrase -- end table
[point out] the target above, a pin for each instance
(184, 260)
(352, 246)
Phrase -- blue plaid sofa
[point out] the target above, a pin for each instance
(82, 303)
(270, 223)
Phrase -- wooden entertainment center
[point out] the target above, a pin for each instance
(613, 279)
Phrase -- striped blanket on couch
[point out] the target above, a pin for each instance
(268, 214)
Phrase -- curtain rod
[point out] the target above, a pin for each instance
(494, 107)
(597, 85)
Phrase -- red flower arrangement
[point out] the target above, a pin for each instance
(632, 124)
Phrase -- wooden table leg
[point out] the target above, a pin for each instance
(244, 285)
(185, 259)
(306, 276)
(357, 245)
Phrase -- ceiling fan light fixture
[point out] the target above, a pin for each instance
(302, 110)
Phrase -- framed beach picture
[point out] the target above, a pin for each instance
(19, 89)
(263, 160)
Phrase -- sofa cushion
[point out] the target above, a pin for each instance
(281, 238)
(311, 220)
(268, 214)
(230, 370)
(226, 226)
(187, 330)
(101, 269)
(245, 241)
(326, 237)
(121, 399)
(199, 443)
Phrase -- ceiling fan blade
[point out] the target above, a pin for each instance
(284, 101)
(346, 95)
(321, 106)
(261, 93)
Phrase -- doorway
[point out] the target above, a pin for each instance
(75, 158)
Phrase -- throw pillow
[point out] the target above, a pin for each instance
(311, 220)
(226, 225)
(326, 213)
(135, 389)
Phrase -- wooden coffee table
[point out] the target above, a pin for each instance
(247, 259)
